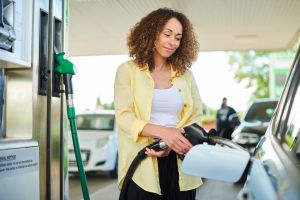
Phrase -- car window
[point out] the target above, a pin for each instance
(262, 111)
(279, 125)
(291, 136)
(95, 122)
(287, 119)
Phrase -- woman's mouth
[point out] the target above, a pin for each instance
(169, 49)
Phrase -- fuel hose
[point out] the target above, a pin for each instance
(66, 69)
(194, 133)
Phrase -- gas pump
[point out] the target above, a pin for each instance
(33, 109)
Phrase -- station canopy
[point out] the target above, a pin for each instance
(100, 27)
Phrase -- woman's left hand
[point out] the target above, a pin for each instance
(152, 153)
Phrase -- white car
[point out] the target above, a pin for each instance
(98, 142)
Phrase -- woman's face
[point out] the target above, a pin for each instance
(168, 40)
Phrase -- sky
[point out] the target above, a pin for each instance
(95, 78)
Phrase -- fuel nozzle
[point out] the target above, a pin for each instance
(194, 133)
(67, 69)
(197, 135)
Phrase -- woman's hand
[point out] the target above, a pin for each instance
(171, 136)
(175, 140)
(163, 153)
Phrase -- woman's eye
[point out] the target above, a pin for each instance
(168, 35)
(178, 39)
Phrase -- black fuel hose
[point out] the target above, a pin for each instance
(157, 146)
(194, 133)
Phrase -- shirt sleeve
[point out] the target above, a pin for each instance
(124, 105)
(197, 102)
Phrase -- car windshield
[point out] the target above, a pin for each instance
(262, 111)
(95, 122)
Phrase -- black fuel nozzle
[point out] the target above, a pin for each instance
(211, 133)
(68, 83)
(194, 133)
(197, 135)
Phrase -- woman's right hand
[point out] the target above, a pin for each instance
(175, 140)
(173, 137)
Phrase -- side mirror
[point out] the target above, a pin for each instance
(215, 162)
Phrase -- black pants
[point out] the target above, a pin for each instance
(168, 178)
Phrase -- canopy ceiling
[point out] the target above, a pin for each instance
(99, 27)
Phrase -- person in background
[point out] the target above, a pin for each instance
(155, 96)
(227, 120)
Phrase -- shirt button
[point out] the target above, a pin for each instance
(185, 105)
(179, 90)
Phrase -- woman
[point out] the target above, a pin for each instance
(155, 97)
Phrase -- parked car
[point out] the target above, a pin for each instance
(273, 172)
(97, 138)
(254, 123)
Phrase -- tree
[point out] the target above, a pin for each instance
(105, 106)
(98, 102)
(252, 67)
(109, 106)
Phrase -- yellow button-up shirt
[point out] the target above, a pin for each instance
(133, 94)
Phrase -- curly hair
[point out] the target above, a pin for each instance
(142, 36)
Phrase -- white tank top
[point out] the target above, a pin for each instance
(166, 107)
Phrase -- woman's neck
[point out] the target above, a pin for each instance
(160, 64)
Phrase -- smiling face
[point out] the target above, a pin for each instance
(168, 40)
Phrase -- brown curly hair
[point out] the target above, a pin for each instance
(142, 36)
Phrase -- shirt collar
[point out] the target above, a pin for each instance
(146, 68)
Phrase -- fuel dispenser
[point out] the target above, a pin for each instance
(32, 111)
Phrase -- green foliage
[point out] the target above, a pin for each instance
(253, 68)
(108, 106)
(98, 102)
(208, 119)
(209, 114)
(105, 106)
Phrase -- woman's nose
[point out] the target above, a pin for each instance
(172, 41)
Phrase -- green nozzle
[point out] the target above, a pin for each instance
(65, 66)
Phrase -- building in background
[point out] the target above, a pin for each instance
(279, 69)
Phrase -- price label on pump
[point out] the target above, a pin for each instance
(18, 161)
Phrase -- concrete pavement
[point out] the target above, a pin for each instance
(210, 190)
